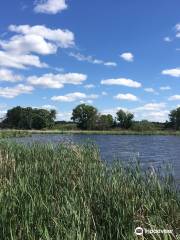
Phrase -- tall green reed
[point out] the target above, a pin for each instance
(67, 192)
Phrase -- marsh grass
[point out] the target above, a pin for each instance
(108, 132)
(13, 133)
(66, 192)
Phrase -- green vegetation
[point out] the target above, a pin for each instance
(85, 116)
(125, 119)
(66, 192)
(175, 118)
(105, 122)
(106, 132)
(13, 133)
(29, 118)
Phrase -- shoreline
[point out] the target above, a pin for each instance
(88, 132)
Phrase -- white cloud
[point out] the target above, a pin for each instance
(38, 39)
(90, 59)
(127, 56)
(150, 111)
(177, 27)
(174, 98)
(50, 6)
(3, 111)
(150, 90)
(167, 39)
(64, 116)
(81, 57)
(71, 97)
(58, 69)
(8, 76)
(20, 61)
(86, 102)
(88, 86)
(174, 72)
(127, 96)
(151, 107)
(2, 114)
(110, 64)
(104, 93)
(121, 81)
(28, 43)
(164, 88)
(113, 111)
(48, 107)
(12, 92)
(57, 80)
(158, 116)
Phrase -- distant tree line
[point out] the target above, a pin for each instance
(85, 117)
(29, 118)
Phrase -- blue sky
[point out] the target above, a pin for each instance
(110, 53)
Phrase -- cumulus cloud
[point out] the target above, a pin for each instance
(51, 80)
(167, 39)
(174, 72)
(149, 111)
(8, 76)
(151, 107)
(127, 56)
(38, 39)
(90, 59)
(121, 81)
(64, 116)
(50, 6)
(177, 29)
(48, 107)
(104, 93)
(20, 61)
(164, 88)
(127, 96)
(86, 101)
(174, 98)
(88, 86)
(150, 90)
(152, 112)
(110, 64)
(158, 116)
(11, 92)
(71, 97)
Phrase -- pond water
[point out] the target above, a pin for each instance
(149, 150)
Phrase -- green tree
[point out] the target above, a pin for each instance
(85, 116)
(105, 122)
(14, 116)
(125, 119)
(174, 118)
(29, 118)
(53, 114)
(143, 125)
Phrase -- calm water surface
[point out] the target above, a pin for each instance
(149, 150)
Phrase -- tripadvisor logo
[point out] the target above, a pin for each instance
(139, 231)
